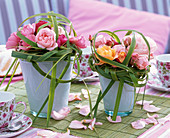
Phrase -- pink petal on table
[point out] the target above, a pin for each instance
(144, 102)
(74, 96)
(84, 110)
(60, 114)
(138, 124)
(87, 121)
(64, 111)
(162, 121)
(75, 124)
(85, 93)
(118, 119)
(150, 108)
(155, 115)
(91, 126)
(46, 133)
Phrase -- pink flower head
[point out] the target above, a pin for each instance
(62, 39)
(13, 41)
(100, 40)
(141, 47)
(26, 46)
(46, 39)
(141, 62)
(78, 41)
(40, 23)
(28, 29)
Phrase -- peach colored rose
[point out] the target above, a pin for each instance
(107, 52)
(28, 29)
(121, 57)
(26, 46)
(13, 41)
(100, 41)
(46, 39)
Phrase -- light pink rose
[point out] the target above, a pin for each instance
(26, 46)
(13, 41)
(141, 47)
(141, 62)
(78, 41)
(46, 39)
(100, 40)
(28, 29)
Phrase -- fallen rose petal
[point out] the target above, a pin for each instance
(98, 123)
(84, 110)
(64, 111)
(91, 126)
(154, 116)
(151, 108)
(85, 93)
(60, 114)
(144, 102)
(87, 121)
(118, 119)
(138, 124)
(75, 124)
(74, 96)
(162, 121)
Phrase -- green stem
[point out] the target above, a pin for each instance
(118, 98)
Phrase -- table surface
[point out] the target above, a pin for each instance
(108, 129)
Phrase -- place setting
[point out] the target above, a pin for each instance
(159, 77)
(11, 122)
(86, 73)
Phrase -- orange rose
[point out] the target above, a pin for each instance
(121, 57)
(107, 52)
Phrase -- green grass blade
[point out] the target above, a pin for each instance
(118, 98)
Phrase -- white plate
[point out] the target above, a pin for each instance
(27, 122)
(155, 83)
(94, 77)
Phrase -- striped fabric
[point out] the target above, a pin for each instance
(60, 6)
(154, 6)
(13, 12)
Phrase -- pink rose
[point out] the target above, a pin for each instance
(100, 40)
(141, 47)
(141, 62)
(46, 39)
(28, 29)
(166, 77)
(62, 39)
(26, 46)
(78, 41)
(13, 41)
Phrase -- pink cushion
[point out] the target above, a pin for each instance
(88, 17)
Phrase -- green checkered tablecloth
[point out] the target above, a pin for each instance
(107, 130)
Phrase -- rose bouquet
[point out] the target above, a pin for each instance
(125, 61)
(46, 40)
